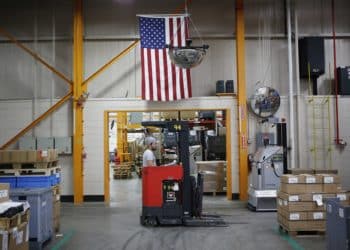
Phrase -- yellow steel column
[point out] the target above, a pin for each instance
(106, 156)
(242, 97)
(228, 156)
(77, 105)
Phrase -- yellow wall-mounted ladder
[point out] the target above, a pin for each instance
(320, 123)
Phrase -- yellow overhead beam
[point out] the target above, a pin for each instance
(242, 97)
(37, 121)
(35, 55)
(78, 91)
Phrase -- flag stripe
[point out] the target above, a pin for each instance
(147, 77)
(143, 86)
(189, 86)
(166, 83)
(161, 79)
(150, 72)
(157, 69)
(173, 73)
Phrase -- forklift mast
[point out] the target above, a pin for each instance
(182, 130)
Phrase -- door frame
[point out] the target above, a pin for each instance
(228, 147)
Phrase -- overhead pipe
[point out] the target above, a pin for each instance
(297, 76)
(338, 141)
(290, 80)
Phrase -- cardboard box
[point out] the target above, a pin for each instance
(293, 188)
(306, 197)
(18, 156)
(301, 188)
(316, 215)
(326, 171)
(331, 188)
(330, 178)
(16, 238)
(288, 197)
(342, 195)
(301, 206)
(290, 179)
(57, 209)
(4, 192)
(32, 156)
(5, 156)
(293, 215)
(314, 225)
(43, 156)
(313, 188)
(53, 154)
(310, 179)
(280, 218)
(300, 171)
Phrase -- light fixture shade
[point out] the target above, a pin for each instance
(186, 57)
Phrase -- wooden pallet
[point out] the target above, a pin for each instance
(30, 172)
(29, 165)
(122, 176)
(123, 166)
(285, 230)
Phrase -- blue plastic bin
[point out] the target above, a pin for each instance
(11, 180)
(55, 179)
(34, 181)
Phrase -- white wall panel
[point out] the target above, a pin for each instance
(15, 115)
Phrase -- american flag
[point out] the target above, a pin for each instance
(161, 79)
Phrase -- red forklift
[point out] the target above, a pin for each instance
(170, 196)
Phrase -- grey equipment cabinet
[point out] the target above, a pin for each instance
(337, 225)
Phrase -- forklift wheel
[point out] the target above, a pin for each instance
(150, 221)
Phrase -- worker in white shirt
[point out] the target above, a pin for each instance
(149, 159)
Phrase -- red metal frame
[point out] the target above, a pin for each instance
(152, 179)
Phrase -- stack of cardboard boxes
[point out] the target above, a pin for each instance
(27, 156)
(14, 229)
(300, 202)
(19, 164)
(214, 175)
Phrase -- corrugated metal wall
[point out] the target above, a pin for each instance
(111, 25)
(46, 27)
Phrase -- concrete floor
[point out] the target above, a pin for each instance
(98, 226)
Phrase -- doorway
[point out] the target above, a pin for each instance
(124, 145)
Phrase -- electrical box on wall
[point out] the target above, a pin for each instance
(63, 145)
(27, 143)
(43, 143)
(343, 80)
